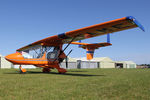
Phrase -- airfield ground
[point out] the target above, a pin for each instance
(77, 84)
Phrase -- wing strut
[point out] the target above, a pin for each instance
(67, 58)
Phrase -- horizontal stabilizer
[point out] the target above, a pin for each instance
(90, 48)
(93, 45)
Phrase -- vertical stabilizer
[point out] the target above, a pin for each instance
(89, 53)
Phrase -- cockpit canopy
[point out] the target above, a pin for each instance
(38, 51)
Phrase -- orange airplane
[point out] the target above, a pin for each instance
(48, 53)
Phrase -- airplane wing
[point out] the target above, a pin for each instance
(89, 32)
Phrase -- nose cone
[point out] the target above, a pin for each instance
(13, 57)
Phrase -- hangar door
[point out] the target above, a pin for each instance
(89, 64)
(71, 65)
(119, 65)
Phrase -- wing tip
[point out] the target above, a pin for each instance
(136, 22)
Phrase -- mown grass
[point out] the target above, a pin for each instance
(77, 84)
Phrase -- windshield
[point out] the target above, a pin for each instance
(38, 51)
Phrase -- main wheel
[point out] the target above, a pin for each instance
(62, 71)
(46, 70)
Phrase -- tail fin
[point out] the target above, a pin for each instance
(89, 53)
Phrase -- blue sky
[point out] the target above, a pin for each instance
(25, 21)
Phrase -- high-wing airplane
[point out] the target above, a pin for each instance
(48, 53)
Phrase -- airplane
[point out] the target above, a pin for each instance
(48, 53)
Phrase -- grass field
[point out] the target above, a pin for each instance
(77, 84)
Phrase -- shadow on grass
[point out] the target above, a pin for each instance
(56, 73)
(70, 74)
(76, 71)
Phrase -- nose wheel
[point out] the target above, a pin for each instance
(22, 71)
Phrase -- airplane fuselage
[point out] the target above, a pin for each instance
(46, 58)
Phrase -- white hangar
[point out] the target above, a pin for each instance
(99, 62)
(4, 63)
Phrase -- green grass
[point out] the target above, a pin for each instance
(77, 84)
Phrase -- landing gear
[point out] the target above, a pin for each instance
(46, 70)
(62, 70)
(22, 71)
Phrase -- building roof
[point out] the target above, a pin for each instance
(94, 59)
(99, 59)
(129, 62)
(126, 62)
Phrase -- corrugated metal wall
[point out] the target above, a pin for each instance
(71, 65)
(80, 64)
(89, 64)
